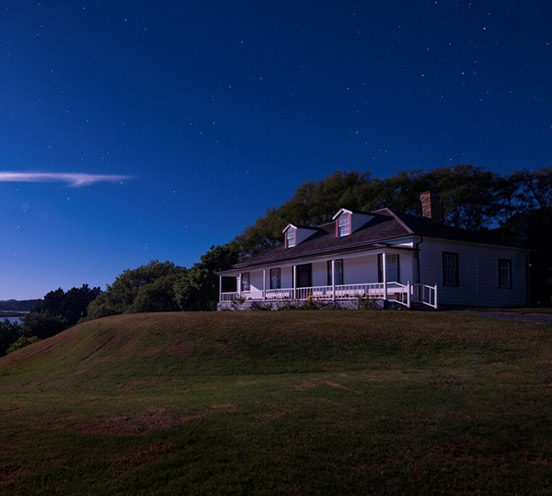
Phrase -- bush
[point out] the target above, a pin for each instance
(43, 324)
(9, 334)
(261, 307)
(21, 343)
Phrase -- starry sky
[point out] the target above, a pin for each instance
(136, 130)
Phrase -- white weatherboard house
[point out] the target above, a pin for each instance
(385, 256)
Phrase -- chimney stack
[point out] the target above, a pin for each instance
(430, 206)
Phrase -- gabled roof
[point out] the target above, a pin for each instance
(298, 226)
(350, 212)
(323, 240)
(342, 211)
(385, 226)
(423, 226)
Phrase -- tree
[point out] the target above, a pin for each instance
(75, 303)
(537, 187)
(58, 311)
(9, 334)
(469, 196)
(51, 303)
(313, 203)
(72, 306)
(198, 288)
(533, 228)
(157, 296)
(21, 343)
(43, 324)
(120, 296)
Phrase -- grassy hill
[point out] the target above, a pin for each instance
(326, 402)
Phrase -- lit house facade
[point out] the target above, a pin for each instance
(383, 256)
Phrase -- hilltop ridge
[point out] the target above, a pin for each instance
(18, 305)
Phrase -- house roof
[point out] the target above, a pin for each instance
(423, 226)
(298, 226)
(386, 225)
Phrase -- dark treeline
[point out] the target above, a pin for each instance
(58, 311)
(516, 206)
(164, 287)
(469, 198)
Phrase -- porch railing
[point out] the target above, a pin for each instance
(279, 294)
(228, 296)
(402, 294)
(425, 294)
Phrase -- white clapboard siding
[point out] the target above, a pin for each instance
(478, 273)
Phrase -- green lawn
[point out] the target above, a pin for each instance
(299, 402)
(522, 311)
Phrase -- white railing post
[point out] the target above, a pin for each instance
(408, 294)
(435, 296)
(384, 271)
(264, 284)
(220, 288)
(333, 280)
(238, 280)
(295, 282)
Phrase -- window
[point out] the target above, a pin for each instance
(245, 285)
(338, 272)
(504, 273)
(393, 272)
(450, 269)
(290, 238)
(275, 279)
(343, 225)
(393, 267)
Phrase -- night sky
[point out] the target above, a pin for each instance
(133, 131)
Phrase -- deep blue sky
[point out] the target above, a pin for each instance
(220, 109)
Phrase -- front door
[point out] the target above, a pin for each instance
(304, 276)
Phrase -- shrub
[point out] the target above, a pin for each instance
(21, 343)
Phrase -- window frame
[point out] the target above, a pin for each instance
(447, 271)
(380, 266)
(508, 266)
(293, 236)
(242, 281)
(346, 226)
(277, 272)
(340, 276)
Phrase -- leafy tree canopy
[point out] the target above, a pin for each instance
(58, 311)
(9, 334)
(198, 288)
(469, 197)
(72, 306)
(143, 289)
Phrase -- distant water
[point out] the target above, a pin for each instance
(14, 319)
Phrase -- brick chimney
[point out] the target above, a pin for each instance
(430, 206)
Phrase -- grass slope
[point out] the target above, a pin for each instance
(325, 402)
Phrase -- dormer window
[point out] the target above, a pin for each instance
(343, 225)
(347, 222)
(294, 235)
(290, 238)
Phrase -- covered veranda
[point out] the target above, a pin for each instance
(380, 274)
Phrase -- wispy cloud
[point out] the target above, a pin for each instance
(74, 179)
